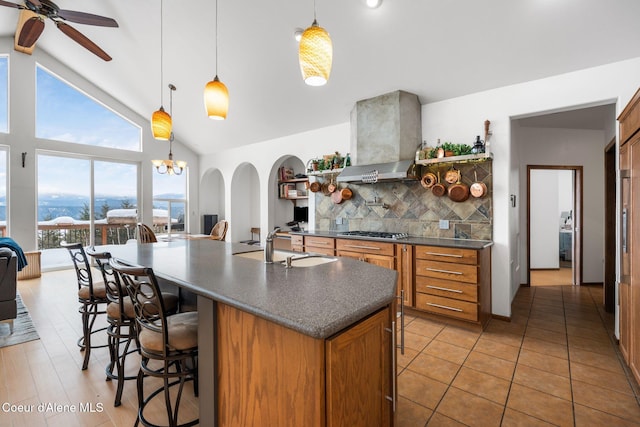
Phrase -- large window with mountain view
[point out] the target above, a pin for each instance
(4, 94)
(64, 113)
(170, 203)
(85, 200)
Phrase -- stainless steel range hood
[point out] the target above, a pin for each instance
(380, 172)
(385, 132)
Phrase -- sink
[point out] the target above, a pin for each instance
(299, 259)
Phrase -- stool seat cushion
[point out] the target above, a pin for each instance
(113, 309)
(99, 291)
(182, 329)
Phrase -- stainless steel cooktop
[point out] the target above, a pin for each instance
(375, 234)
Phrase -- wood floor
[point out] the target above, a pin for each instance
(554, 277)
(48, 371)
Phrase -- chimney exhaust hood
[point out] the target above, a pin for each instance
(380, 172)
(385, 132)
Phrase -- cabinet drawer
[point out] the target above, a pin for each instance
(447, 270)
(320, 251)
(449, 307)
(319, 242)
(365, 246)
(457, 255)
(296, 240)
(447, 288)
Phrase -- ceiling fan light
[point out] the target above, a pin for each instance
(161, 124)
(216, 99)
(315, 54)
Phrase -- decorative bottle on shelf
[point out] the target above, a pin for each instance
(478, 146)
(347, 160)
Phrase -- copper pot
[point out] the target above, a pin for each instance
(346, 193)
(478, 189)
(438, 189)
(458, 192)
(428, 180)
(315, 187)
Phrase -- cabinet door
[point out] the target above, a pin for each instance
(634, 237)
(380, 260)
(359, 374)
(625, 266)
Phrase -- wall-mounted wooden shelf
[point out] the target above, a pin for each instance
(457, 159)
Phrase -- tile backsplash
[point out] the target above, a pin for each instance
(406, 206)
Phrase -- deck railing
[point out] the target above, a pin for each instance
(50, 235)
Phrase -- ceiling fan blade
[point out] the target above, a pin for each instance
(86, 18)
(36, 3)
(30, 31)
(82, 40)
(9, 4)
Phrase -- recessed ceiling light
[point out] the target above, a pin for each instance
(373, 3)
(297, 33)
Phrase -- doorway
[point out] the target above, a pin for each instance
(554, 225)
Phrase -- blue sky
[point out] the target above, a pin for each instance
(64, 113)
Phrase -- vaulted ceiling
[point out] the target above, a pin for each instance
(436, 49)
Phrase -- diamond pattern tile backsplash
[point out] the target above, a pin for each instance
(410, 208)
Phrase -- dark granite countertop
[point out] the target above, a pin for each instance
(424, 241)
(318, 301)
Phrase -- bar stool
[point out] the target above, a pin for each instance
(92, 297)
(145, 234)
(169, 339)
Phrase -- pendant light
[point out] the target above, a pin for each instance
(169, 166)
(216, 95)
(160, 120)
(315, 53)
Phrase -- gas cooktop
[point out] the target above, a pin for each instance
(375, 234)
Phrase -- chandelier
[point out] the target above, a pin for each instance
(169, 166)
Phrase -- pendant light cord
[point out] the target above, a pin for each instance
(216, 38)
(161, 55)
(314, 10)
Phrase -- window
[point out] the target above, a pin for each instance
(3, 192)
(170, 201)
(63, 113)
(85, 200)
(4, 94)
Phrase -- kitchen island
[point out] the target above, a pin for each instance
(283, 346)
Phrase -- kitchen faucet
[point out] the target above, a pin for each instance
(268, 250)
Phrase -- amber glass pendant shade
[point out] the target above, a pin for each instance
(216, 99)
(161, 124)
(315, 53)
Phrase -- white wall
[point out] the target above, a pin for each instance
(22, 189)
(264, 155)
(460, 120)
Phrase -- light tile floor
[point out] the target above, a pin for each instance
(555, 363)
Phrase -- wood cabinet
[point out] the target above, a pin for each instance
(629, 286)
(297, 380)
(297, 243)
(454, 282)
(319, 245)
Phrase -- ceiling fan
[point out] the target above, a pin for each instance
(31, 24)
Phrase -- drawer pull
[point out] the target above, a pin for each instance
(363, 247)
(439, 254)
(437, 270)
(316, 242)
(457, 291)
(445, 307)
